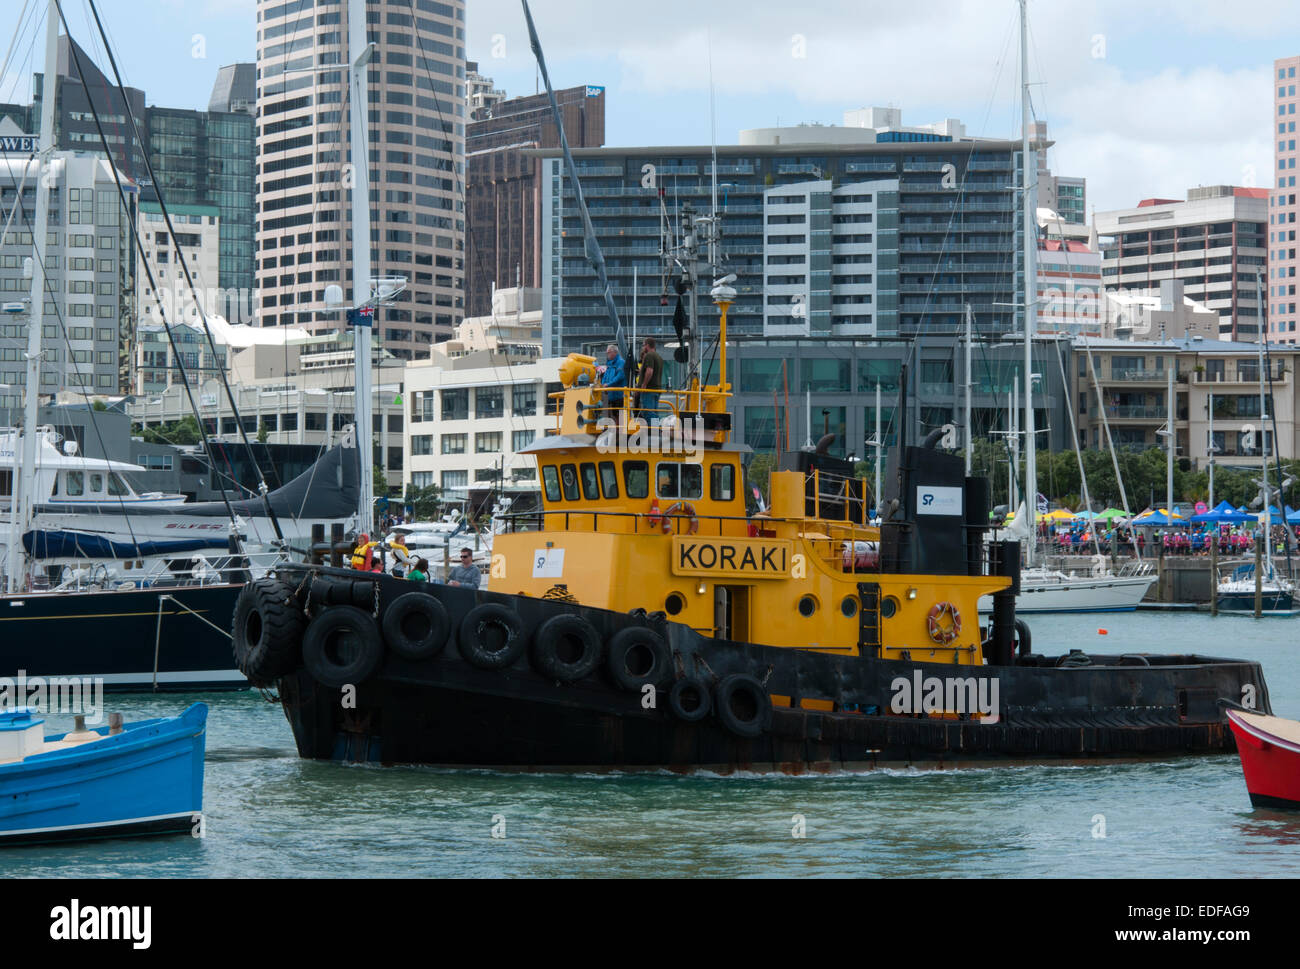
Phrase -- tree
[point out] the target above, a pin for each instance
(423, 501)
(262, 433)
(380, 481)
(184, 431)
(98, 405)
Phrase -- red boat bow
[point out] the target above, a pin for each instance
(1270, 757)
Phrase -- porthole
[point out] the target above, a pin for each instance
(888, 606)
(807, 606)
(674, 604)
(849, 607)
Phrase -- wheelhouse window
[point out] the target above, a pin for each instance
(608, 479)
(636, 479)
(96, 484)
(76, 482)
(722, 482)
(679, 480)
(590, 483)
(551, 481)
(116, 486)
(569, 481)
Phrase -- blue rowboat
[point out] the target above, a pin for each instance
(115, 781)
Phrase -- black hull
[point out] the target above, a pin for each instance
(112, 635)
(152, 828)
(1245, 602)
(445, 711)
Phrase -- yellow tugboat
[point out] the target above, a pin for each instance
(646, 619)
(643, 619)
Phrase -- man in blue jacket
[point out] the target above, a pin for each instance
(613, 374)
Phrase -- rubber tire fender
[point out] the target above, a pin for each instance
(734, 687)
(267, 631)
(555, 632)
(624, 642)
(690, 700)
(428, 616)
(475, 650)
(320, 658)
(1023, 638)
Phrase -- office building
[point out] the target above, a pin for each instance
(1216, 399)
(934, 227)
(235, 90)
(87, 323)
(417, 139)
(74, 119)
(469, 417)
(503, 187)
(205, 159)
(1214, 242)
(1064, 194)
(202, 158)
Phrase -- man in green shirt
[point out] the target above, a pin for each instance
(652, 380)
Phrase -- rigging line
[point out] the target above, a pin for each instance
(19, 29)
(1000, 61)
(180, 256)
(144, 261)
(58, 312)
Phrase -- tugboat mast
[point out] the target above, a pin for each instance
(1030, 204)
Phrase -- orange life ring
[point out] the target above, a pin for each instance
(683, 509)
(938, 633)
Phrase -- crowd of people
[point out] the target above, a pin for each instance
(1078, 539)
(369, 556)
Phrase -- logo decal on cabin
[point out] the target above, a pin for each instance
(939, 501)
(731, 556)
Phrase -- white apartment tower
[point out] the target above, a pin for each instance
(416, 144)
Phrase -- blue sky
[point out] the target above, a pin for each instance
(1142, 98)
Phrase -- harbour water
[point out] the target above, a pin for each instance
(271, 814)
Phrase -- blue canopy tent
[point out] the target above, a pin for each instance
(1158, 518)
(1224, 514)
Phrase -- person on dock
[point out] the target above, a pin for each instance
(465, 575)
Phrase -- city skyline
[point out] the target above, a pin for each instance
(1142, 102)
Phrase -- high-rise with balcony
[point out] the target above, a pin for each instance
(857, 237)
(1282, 262)
(416, 145)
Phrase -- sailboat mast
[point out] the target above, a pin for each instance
(970, 434)
(1030, 205)
(1263, 442)
(36, 310)
(359, 54)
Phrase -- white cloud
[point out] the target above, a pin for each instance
(1144, 118)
